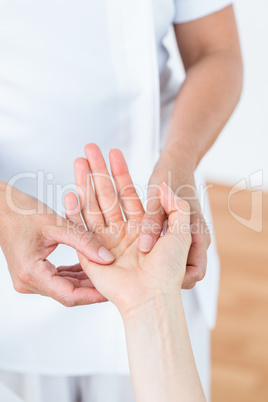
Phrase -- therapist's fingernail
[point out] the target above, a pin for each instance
(106, 255)
(145, 243)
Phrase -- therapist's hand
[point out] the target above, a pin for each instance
(29, 232)
(180, 177)
(134, 278)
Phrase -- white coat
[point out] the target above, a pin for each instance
(73, 73)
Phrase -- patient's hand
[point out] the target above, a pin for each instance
(134, 278)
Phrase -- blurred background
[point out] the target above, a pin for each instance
(236, 168)
(240, 339)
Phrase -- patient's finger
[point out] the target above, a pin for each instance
(79, 283)
(89, 206)
(104, 189)
(72, 210)
(77, 275)
(70, 268)
(69, 292)
(126, 191)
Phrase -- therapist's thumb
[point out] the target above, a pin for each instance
(151, 226)
(82, 241)
(178, 212)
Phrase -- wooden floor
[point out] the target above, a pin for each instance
(240, 340)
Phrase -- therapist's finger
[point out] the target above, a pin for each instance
(88, 204)
(51, 284)
(76, 236)
(126, 191)
(178, 212)
(104, 189)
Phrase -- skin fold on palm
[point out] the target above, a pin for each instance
(134, 277)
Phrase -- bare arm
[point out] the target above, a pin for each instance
(211, 55)
(161, 360)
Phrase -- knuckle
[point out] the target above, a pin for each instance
(48, 231)
(86, 239)
(128, 191)
(107, 191)
(201, 274)
(194, 277)
(74, 228)
(24, 275)
(67, 302)
(189, 286)
(19, 286)
(114, 216)
(53, 228)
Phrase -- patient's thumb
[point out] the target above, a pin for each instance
(178, 211)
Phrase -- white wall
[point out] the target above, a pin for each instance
(242, 147)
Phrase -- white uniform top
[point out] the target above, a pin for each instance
(73, 72)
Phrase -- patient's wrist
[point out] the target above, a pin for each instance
(153, 308)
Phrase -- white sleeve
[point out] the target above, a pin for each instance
(188, 10)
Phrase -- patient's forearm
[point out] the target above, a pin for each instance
(160, 355)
